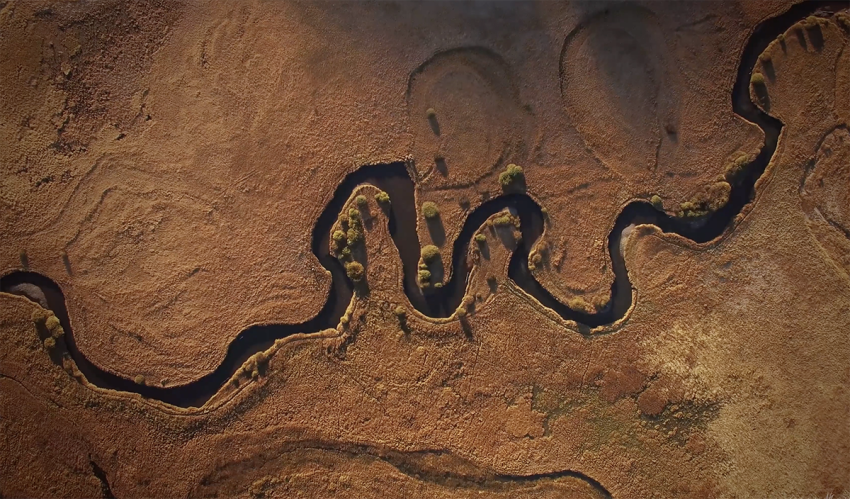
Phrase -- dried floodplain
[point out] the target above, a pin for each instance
(436, 250)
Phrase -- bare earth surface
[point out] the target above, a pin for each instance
(165, 164)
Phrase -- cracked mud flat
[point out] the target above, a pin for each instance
(172, 174)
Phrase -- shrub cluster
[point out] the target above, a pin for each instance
(512, 177)
(430, 210)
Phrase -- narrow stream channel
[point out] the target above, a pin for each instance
(395, 180)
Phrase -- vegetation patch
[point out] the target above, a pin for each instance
(736, 163)
(361, 201)
(657, 202)
(512, 178)
(424, 278)
(430, 210)
(382, 198)
(354, 271)
(710, 199)
(430, 253)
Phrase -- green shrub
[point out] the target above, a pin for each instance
(480, 238)
(400, 312)
(140, 380)
(461, 312)
(536, 258)
(424, 276)
(40, 315)
(361, 201)
(503, 220)
(353, 216)
(57, 332)
(430, 210)
(343, 220)
(757, 79)
(657, 201)
(438, 285)
(345, 253)
(52, 323)
(513, 176)
(382, 198)
(430, 253)
(339, 238)
(49, 343)
(355, 236)
(431, 113)
(355, 271)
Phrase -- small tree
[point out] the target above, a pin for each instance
(430, 210)
(355, 271)
(430, 253)
(512, 177)
(382, 198)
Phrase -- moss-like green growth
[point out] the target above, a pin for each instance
(424, 276)
(764, 58)
(512, 177)
(431, 113)
(353, 216)
(480, 238)
(382, 198)
(345, 253)
(355, 271)
(343, 220)
(140, 380)
(430, 253)
(656, 201)
(461, 312)
(757, 79)
(49, 343)
(430, 210)
(438, 285)
(361, 201)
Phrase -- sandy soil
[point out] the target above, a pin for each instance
(165, 164)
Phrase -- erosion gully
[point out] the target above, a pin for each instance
(396, 180)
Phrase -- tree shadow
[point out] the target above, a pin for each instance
(436, 230)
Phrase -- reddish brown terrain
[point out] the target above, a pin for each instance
(282, 249)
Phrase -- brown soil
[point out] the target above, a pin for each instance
(165, 164)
